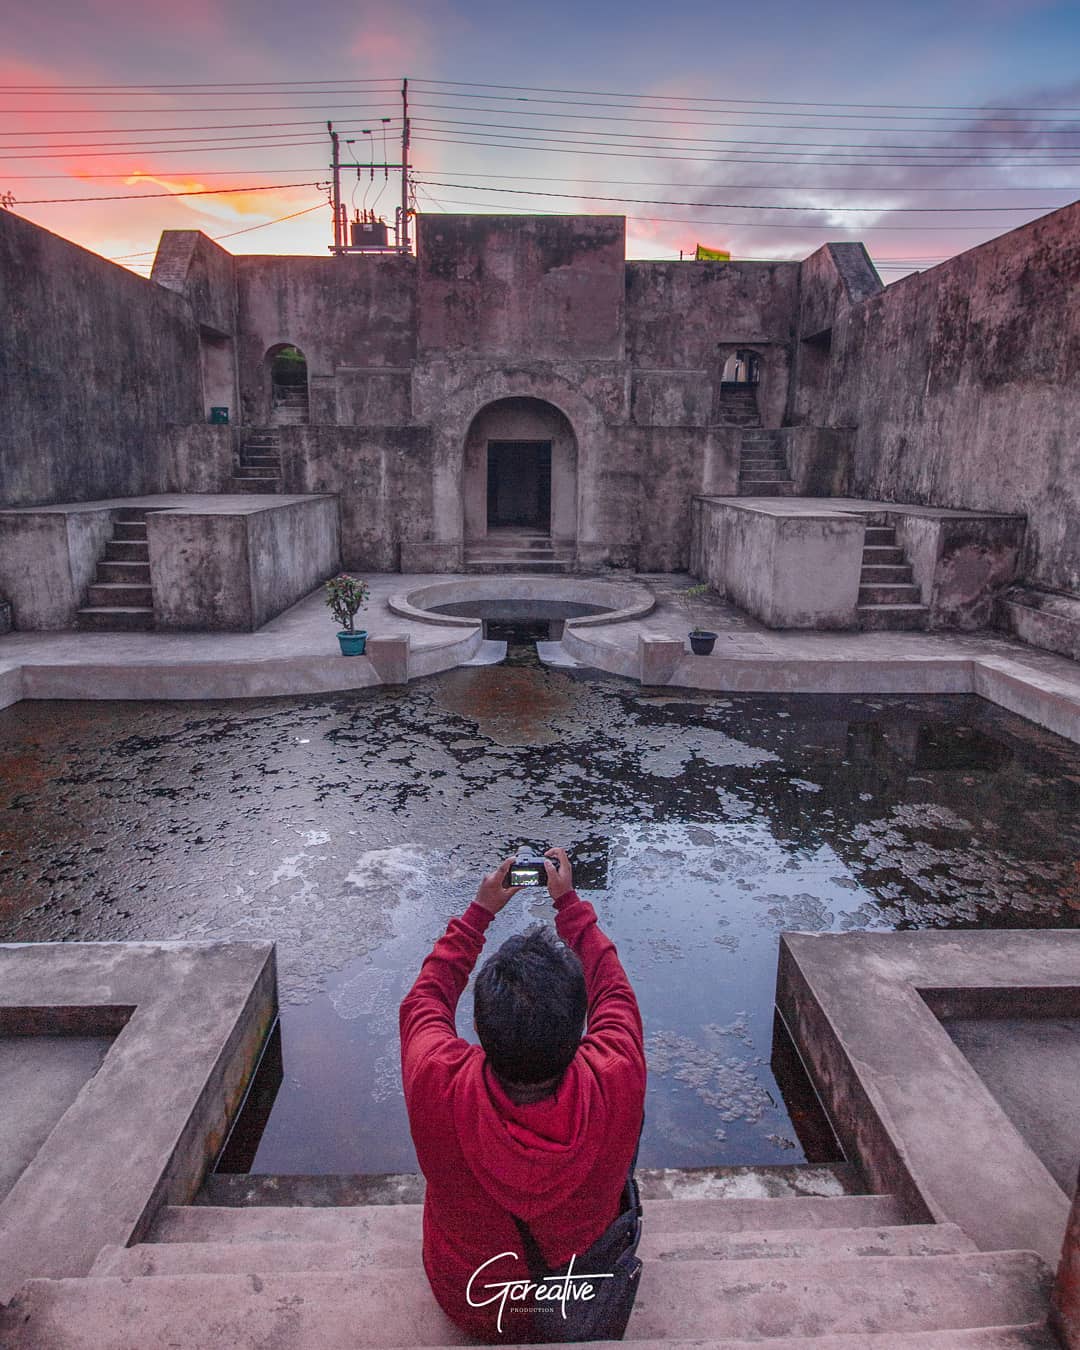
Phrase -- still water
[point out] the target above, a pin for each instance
(349, 828)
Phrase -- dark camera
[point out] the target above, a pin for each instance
(528, 871)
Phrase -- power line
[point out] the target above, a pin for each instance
(768, 225)
(771, 102)
(696, 142)
(272, 107)
(738, 206)
(113, 154)
(1056, 127)
(146, 196)
(206, 126)
(759, 187)
(233, 233)
(813, 159)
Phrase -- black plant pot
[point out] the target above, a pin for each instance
(702, 643)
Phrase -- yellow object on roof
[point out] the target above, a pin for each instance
(704, 254)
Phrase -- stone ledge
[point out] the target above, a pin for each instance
(904, 1101)
(144, 1127)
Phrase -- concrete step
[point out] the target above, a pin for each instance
(881, 534)
(129, 529)
(758, 487)
(115, 619)
(253, 471)
(107, 594)
(883, 574)
(255, 485)
(758, 1300)
(502, 566)
(250, 460)
(903, 593)
(516, 546)
(262, 446)
(348, 1223)
(762, 462)
(761, 475)
(876, 555)
(127, 550)
(892, 618)
(390, 1242)
(131, 573)
(133, 515)
(778, 1181)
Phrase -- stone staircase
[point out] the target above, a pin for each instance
(736, 406)
(508, 549)
(763, 470)
(839, 1272)
(259, 469)
(120, 599)
(290, 406)
(889, 600)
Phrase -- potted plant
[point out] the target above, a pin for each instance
(344, 596)
(702, 640)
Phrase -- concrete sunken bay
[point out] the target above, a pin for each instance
(866, 1010)
(116, 1135)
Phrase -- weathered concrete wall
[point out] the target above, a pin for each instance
(788, 570)
(964, 385)
(354, 315)
(95, 364)
(48, 559)
(683, 321)
(831, 280)
(383, 476)
(961, 564)
(233, 569)
(523, 287)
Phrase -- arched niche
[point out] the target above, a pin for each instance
(520, 470)
(287, 374)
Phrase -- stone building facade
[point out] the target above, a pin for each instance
(520, 370)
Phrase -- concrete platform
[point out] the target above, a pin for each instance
(795, 562)
(297, 653)
(217, 561)
(868, 1012)
(100, 1141)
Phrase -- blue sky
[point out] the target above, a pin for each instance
(704, 113)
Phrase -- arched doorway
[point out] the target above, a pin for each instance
(288, 372)
(521, 471)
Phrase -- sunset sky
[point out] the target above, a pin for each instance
(920, 128)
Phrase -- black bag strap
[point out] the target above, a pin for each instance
(534, 1257)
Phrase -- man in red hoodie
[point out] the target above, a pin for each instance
(537, 1121)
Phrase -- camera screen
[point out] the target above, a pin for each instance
(526, 876)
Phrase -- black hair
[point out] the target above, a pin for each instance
(529, 1005)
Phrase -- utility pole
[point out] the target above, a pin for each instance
(403, 233)
(336, 166)
(342, 226)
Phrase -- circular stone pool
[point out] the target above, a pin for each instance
(525, 599)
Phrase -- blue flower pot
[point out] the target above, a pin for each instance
(352, 644)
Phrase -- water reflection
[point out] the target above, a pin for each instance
(349, 828)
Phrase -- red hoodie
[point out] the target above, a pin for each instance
(559, 1164)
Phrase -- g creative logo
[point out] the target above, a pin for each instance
(560, 1289)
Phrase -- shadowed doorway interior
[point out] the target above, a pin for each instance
(519, 484)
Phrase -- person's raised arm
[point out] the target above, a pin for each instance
(614, 1021)
(427, 1011)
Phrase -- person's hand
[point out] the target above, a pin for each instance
(559, 880)
(492, 894)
